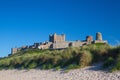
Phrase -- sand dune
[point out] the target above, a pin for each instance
(88, 73)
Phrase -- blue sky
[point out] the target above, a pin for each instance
(23, 22)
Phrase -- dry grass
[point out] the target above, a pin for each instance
(70, 57)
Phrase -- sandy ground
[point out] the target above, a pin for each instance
(88, 73)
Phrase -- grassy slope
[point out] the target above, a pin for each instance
(69, 58)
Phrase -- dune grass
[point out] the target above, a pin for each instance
(70, 58)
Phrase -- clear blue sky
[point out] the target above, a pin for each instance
(23, 22)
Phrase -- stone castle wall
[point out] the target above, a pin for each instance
(59, 42)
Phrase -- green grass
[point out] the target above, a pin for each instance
(85, 58)
(109, 62)
(70, 58)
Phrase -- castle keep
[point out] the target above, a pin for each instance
(59, 42)
(56, 38)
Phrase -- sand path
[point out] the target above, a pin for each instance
(88, 73)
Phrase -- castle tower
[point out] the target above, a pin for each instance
(51, 38)
(99, 36)
(89, 39)
(57, 38)
(63, 37)
(14, 50)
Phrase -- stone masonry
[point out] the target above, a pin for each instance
(59, 42)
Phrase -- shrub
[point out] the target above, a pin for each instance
(22, 67)
(56, 60)
(84, 58)
(73, 66)
(4, 63)
(32, 65)
(109, 62)
(100, 53)
(43, 66)
(11, 67)
(57, 68)
(117, 64)
(49, 66)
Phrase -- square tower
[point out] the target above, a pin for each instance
(57, 38)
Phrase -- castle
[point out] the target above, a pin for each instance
(59, 42)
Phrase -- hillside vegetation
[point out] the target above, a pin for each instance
(69, 58)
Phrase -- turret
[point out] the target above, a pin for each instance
(99, 36)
